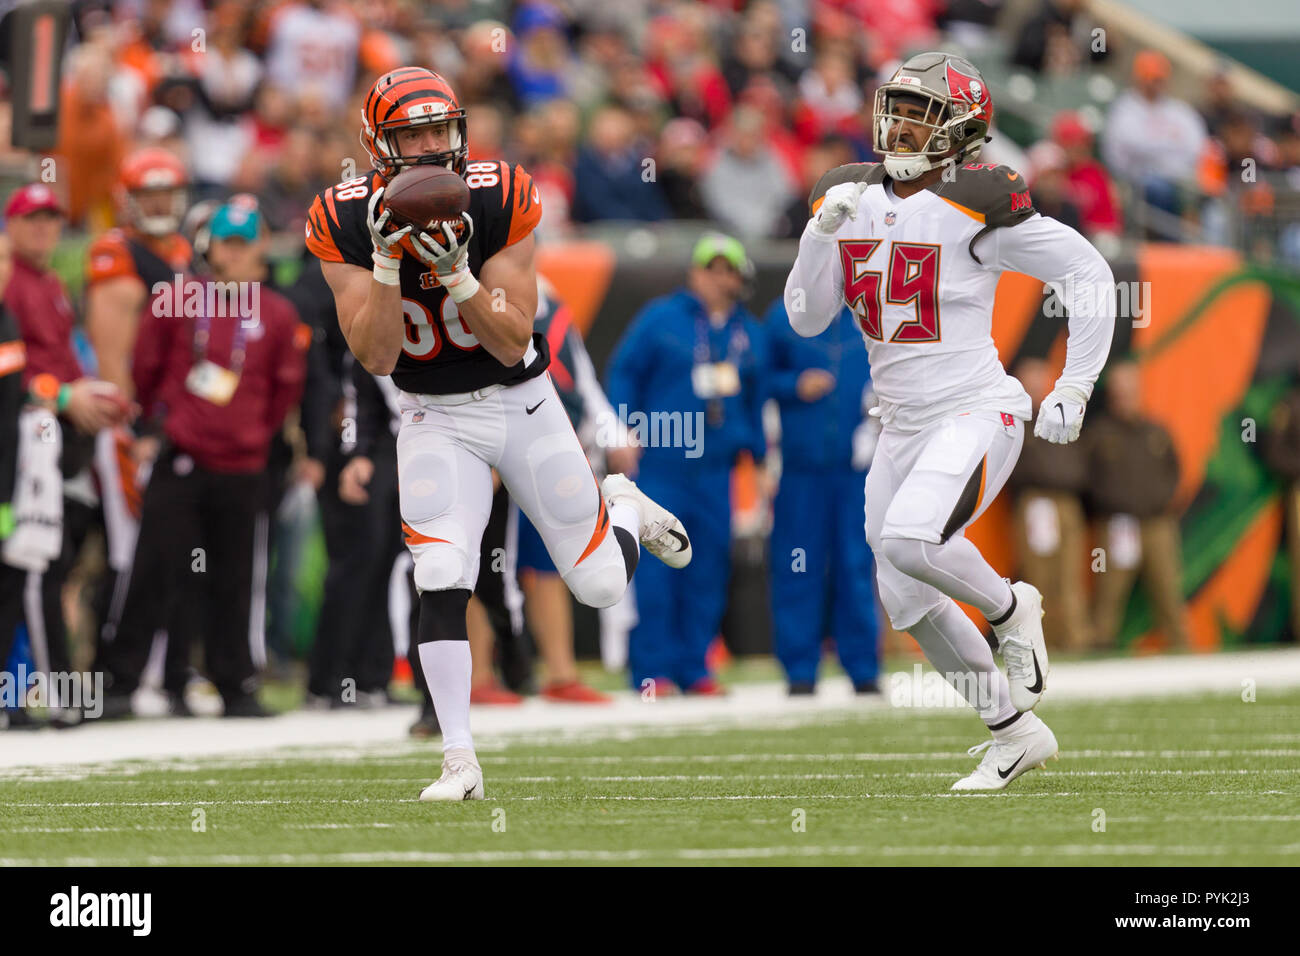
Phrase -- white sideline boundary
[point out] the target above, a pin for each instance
(628, 716)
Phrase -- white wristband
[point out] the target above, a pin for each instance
(387, 271)
(460, 285)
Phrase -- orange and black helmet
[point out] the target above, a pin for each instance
(153, 169)
(412, 96)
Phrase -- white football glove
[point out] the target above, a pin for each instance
(1060, 416)
(839, 203)
(388, 251)
(449, 256)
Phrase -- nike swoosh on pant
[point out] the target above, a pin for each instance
(1006, 773)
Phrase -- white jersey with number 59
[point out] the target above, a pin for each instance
(920, 275)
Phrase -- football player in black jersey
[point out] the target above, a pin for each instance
(450, 316)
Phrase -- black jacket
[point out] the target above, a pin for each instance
(12, 362)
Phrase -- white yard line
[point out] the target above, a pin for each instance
(383, 732)
(864, 853)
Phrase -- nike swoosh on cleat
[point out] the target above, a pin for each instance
(1006, 773)
(1037, 685)
(681, 539)
(529, 411)
(469, 791)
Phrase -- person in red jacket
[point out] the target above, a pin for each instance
(218, 364)
(1091, 186)
(54, 377)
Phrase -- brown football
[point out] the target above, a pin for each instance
(423, 195)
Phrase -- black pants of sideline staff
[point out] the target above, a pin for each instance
(354, 637)
(198, 541)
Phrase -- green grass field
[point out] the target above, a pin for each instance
(1185, 780)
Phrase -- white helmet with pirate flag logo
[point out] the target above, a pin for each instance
(948, 101)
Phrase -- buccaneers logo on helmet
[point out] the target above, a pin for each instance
(955, 110)
(971, 91)
(412, 96)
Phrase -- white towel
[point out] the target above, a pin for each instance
(38, 493)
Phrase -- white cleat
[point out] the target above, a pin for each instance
(660, 532)
(1021, 643)
(462, 779)
(1030, 744)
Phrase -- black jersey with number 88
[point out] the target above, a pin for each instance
(440, 355)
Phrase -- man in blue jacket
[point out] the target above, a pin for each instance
(688, 379)
(822, 571)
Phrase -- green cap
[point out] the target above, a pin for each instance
(714, 245)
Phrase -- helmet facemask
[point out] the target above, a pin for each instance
(391, 161)
(949, 139)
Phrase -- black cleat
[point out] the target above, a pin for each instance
(427, 725)
(176, 706)
(802, 688)
(112, 707)
(245, 705)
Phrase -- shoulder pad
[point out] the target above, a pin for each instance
(505, 203)
(991, 194)
(335, 227)
(109, 258)
(849, 173)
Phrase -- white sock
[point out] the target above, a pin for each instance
(956, 568)
(958, 651)
(1025, 724)
(447, 670)
(623, 515)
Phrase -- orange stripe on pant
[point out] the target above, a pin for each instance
(602, 529)
(414, 537)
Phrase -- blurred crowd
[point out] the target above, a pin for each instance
(648, 109)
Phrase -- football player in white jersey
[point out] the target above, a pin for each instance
(915, 246)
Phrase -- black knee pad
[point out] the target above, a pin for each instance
(442, 616)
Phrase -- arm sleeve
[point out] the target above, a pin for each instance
(372, 411)
(595, 404)
(320, 395)
(783, 374)
(1059, 256)
(153, 345)
(322, 391)
(290, 370)
(39, 334)
(814, 290)
(758, 395)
